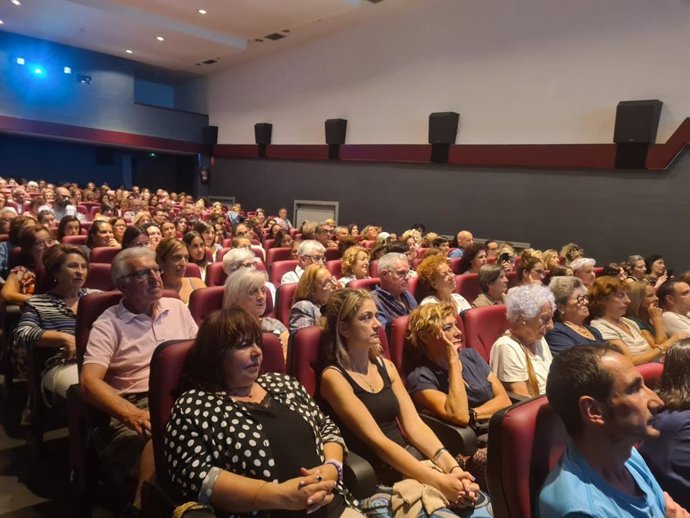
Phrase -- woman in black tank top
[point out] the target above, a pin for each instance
(367, 397)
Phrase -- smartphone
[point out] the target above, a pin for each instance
(503, 257)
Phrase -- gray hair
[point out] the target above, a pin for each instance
(121, 263)
(386, 262)
(630, 263)
(525, 302)
(581, 262)
(563, 287)
(235, 258)
(240, 284)
(309, 247)
(488, 275)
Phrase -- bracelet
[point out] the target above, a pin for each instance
(257, 494)
(438, 453)
(457, 466)
(338, 466)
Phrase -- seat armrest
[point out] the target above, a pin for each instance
(459, 440)
(516, 398)
(157, 503)
(359, 476)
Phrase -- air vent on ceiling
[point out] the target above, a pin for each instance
(275, 36)
(210, 61)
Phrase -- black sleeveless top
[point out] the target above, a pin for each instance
(384, 408)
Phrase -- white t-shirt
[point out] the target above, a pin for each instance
(460, 302)
(292, 276)
(675, 322)
(508, 362)
(635, 341)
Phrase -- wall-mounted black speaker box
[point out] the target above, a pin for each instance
(209, 135)
(637, 121)
(443, 127)
(336, 130)
(263, 132)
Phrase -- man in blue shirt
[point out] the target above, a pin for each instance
(391, 296)
(606, 409)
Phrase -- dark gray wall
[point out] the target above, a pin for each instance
(611, 213)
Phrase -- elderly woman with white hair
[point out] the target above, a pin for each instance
(238, 258)
(583, 269)
(246, 289)
(521, 358)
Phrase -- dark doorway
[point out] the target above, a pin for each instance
(169, 172)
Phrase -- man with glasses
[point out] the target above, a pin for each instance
(115, 373)
(391, 296)
(323, 236)
(309, 252)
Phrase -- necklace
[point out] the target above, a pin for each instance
(365, 379)
(580, 329)
(236, 393)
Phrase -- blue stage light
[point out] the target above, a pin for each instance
(21, 61)
(39, 71)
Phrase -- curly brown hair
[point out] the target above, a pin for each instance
(600, 292)
(426, 271)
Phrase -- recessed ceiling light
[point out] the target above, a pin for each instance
(128, 51)
(1, 22)
(202, 11)
(160, 38)
(16, 2)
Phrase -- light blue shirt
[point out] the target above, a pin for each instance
(574, 490)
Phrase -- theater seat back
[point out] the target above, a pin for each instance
(468, 286)
(280, 268)
(483, 326)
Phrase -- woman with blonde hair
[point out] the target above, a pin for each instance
(375, 413)
(550, 258)
(437, 283)
(313, 290)
(644, 310)
(355, 265)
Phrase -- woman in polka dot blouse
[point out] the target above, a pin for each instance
(250, 444)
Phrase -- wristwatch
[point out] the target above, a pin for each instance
(473, 416)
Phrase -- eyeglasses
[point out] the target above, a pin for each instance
(403, 274)
(581, 300)
(143, 275)
(314, 258)
(539, 273)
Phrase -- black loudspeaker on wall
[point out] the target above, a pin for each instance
(263, 132)
(209, 135)
(443, 130)
(336, 130)
(637, 123)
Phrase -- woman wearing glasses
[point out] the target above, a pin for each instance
(313, 290)
(530, 271)
(569, 328)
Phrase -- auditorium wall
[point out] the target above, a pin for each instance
(611, 213)
(520, 71)
(107, 103)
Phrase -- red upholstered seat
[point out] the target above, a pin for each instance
(412, 287)
(455, 265)
(268, 243)
(332, 254)
(227, 243)
(221, 253)
(334, 267)
(99, 277)
(468, 286)
(364, 284)
(90, 308)
(483, 326)
(651, 372)
(284, 297)
(104, 254)
(192, 270)
(374, 268)
(280, 268)
(215, 275)
(526, 441)
(277, 254)
(79, 240)
(598, 271)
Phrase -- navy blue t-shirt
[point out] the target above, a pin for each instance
(475, 371)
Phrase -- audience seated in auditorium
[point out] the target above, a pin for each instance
(197, 251)
(668, 456)
(607, 409)
(21, 281)
(463, 239)
(368, 399)
(656, 271)
(61, 205)
(313, 290)
(494, 283)
(246, 288)
(530, 270)
(608, 303)
(570, 318)
(172, 258)
(100, 235)
(291, 459)
(391, 295)
(447, 380)
(355, 265)
(583, 269)
(17, 224)
(571, 251)
(473, 258)
(521, 357)
(674, 297)
(115, 373)
(308, 252)
(68, 226)
(437, 284)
